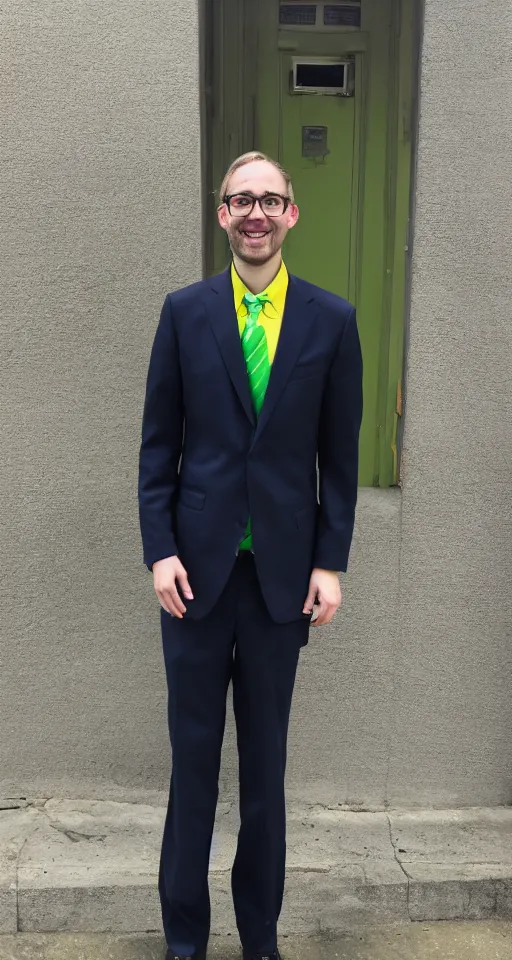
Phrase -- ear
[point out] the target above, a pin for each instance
(223, 216)
(292, 215)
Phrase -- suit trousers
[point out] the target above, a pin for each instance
(238, 642)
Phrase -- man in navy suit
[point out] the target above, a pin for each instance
(247, 493)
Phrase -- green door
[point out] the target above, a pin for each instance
(349, 157)
(317, 148)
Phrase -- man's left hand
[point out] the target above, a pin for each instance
(325, 594)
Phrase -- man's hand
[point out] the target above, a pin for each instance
(325, 593)
(166, 574)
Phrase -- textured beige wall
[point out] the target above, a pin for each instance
(407, 698)
(100, 109)
(452, 735)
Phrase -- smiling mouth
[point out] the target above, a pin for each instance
(255, 234)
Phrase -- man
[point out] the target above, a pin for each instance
(254, 382)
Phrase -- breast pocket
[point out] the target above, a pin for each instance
(311, 368)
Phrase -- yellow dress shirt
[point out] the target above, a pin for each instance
(271, 317)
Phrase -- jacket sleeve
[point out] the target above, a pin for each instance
(338, 451)
(162, 439)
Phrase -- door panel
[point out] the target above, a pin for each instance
(322, 184)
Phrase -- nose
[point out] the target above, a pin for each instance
(256, 213)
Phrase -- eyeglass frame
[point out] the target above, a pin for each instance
(229, 196)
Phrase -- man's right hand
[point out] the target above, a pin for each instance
(166, 575)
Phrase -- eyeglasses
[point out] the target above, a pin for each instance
(242, 204)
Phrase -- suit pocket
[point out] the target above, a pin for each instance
(193, 499)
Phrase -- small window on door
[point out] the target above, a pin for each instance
(328, 76)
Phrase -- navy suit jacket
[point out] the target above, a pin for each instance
(207, 463)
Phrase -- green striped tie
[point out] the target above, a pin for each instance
(254, 345)
(255, 349)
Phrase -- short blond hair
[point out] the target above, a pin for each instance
(251, 157)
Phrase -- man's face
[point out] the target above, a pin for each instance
(256, 237)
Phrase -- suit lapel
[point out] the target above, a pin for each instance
(298, 318)
(222, 315)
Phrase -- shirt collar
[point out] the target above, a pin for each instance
(272, 291)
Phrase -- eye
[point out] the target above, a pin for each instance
(240, 202)
(272, 201)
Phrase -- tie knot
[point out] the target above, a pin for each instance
(255, 304)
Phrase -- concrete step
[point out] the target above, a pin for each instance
(91, 866)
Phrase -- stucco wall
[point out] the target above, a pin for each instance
(452, 736)
(100, 112)
(406, 699)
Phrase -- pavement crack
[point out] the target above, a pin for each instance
(75, 836)
(400, 864)
(15, 803)
(18, 860)
(30, 832)
(467, 902)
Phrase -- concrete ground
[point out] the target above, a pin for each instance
(413, 941)
(69, 866)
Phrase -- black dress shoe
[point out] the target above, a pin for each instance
(275, 955)
(170, 955)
